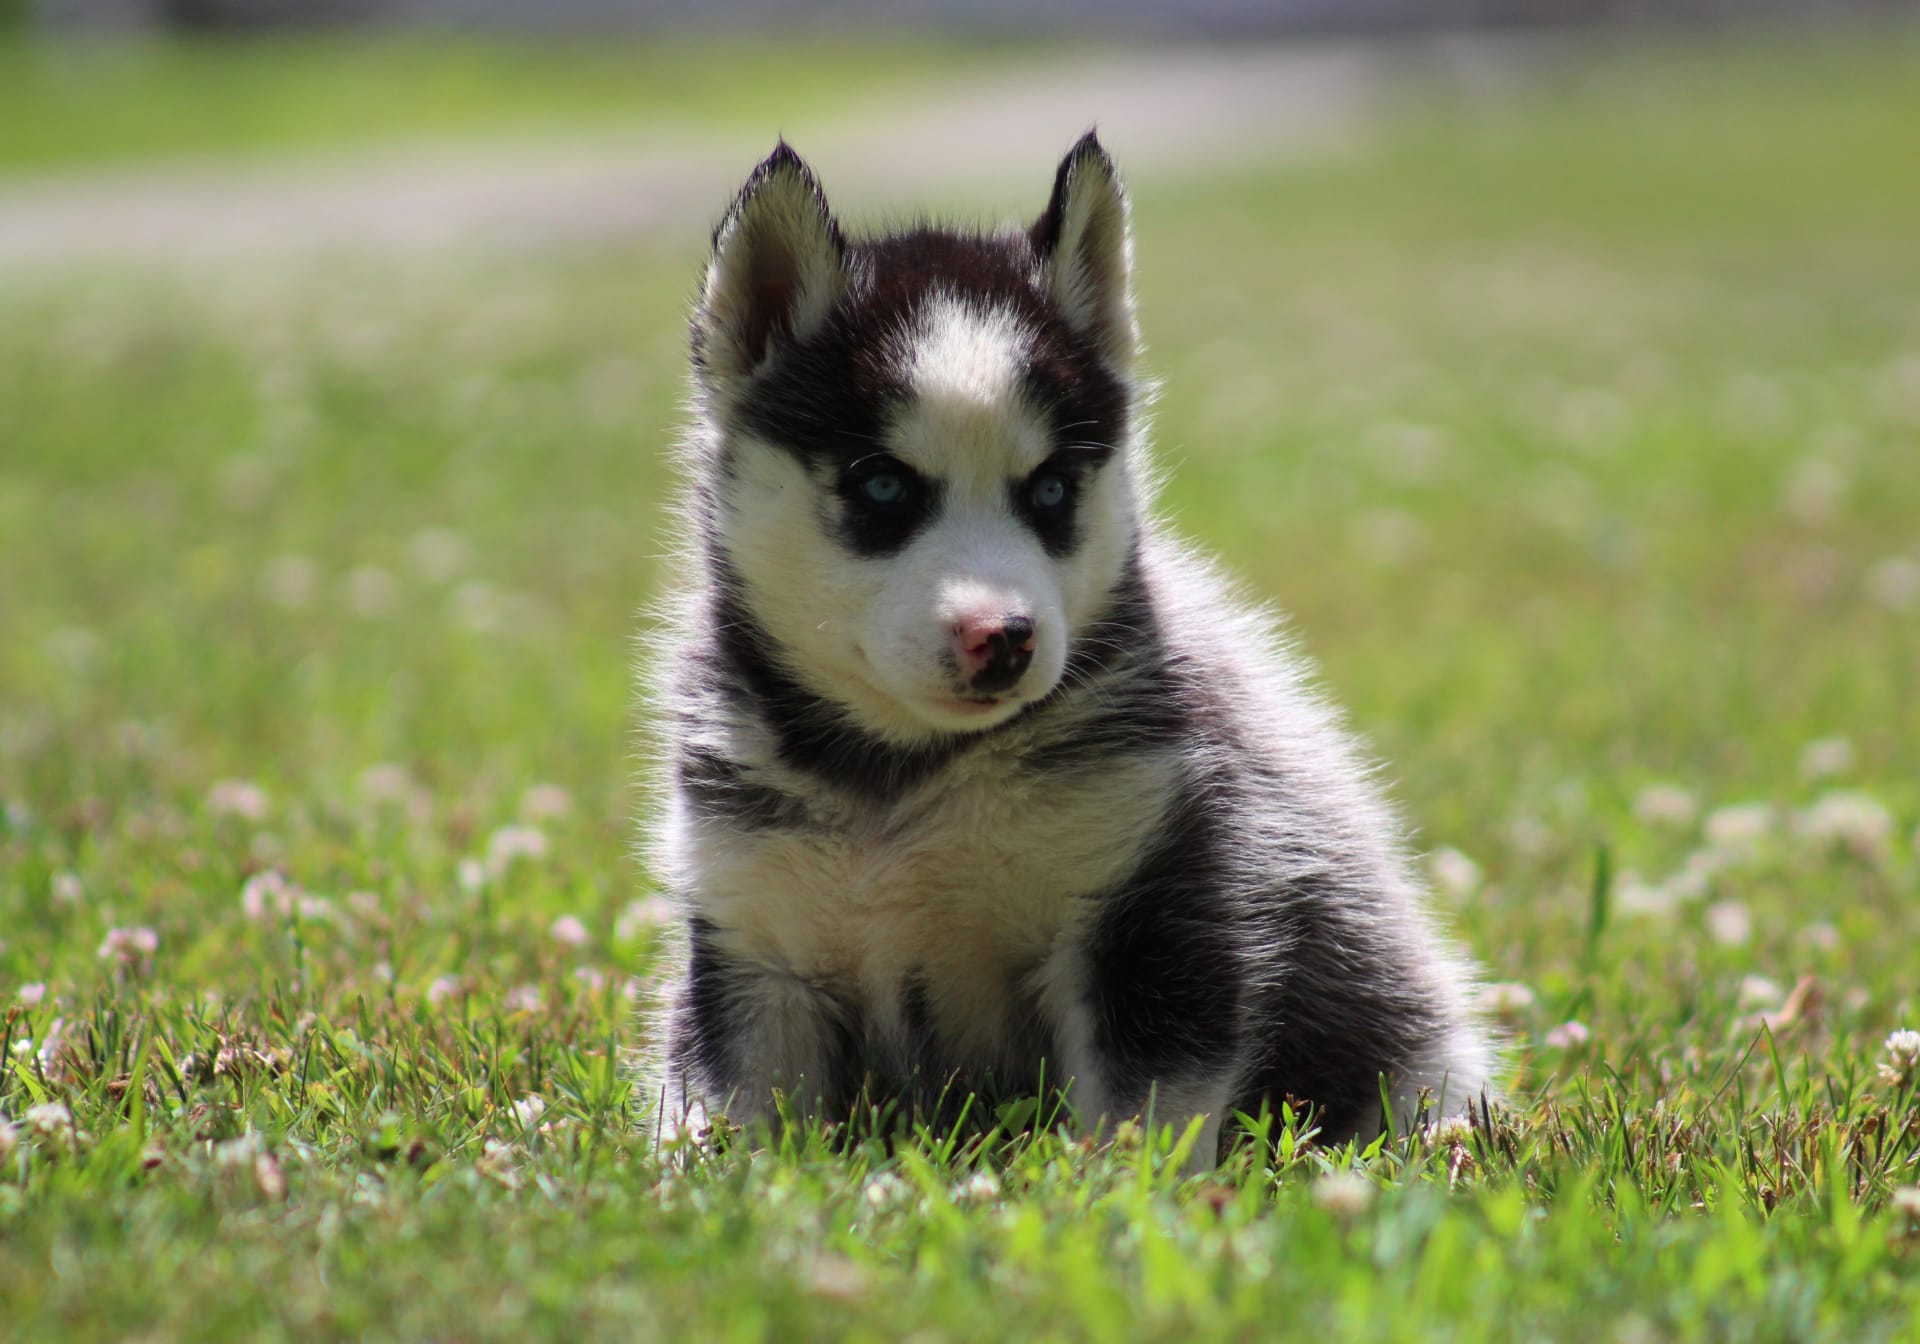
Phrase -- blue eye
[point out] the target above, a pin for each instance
(1049, 492)
(884, 488)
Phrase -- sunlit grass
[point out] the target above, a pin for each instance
(104, 101)
(320, 938)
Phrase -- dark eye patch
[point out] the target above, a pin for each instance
(1048, 500)
(883, 503)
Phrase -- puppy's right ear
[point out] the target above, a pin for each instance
(779, 265)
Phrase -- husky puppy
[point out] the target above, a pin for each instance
(979, 782)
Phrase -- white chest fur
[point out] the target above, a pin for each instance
(963, 889)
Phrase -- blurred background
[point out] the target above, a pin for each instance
(1554, 363)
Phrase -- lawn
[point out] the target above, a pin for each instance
(1577, 429)
(115, 102)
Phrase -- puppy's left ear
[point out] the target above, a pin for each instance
(1085, 244)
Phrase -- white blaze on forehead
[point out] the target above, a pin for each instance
(967, 421)
(961, 353)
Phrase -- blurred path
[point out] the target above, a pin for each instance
(988, 141)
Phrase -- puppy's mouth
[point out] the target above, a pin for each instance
(957, 708)
(972, 701)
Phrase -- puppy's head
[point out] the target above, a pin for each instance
(916, 447)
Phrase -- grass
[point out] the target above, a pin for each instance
(79, 104)
(1582, 456)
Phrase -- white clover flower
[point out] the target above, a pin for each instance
(268, 1177)
(568, 931)
(471, 877)
(238, 1152)
(51, 1054)
(1815, 489)
(129, 946)
(387, 782)
(886, 1190)
(1694, 877)
(1906, 1201)
(523, 999)
(9, 1138)
(511, 843)
(1825, 757)
(1456, 875)
(1729, 923)
(50, 1119)
(1505, 998)
(836, 1277)
(1820, 937)
(237, 798)
(1528, 836)
(65, 889)
(1665, 805)
(477, 606)
(1738, 828)
(545, 802)
(1344, 1194)
(641, 917)
(316, 909)
(1449, 1130)
(290, 581)
(440, 554)
(444, 987)
(1903, 1057)
(1568, 1035)
(982, 1187)
(372, 592)
(527, 1110)
(1633, 895)
(1849, 819)
(1894, 583)
(1757, 991)
(590, 978)
(268, 895)
(32, 995)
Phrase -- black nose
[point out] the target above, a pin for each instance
(1010, 650)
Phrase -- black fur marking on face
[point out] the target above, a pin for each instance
(1069, 473)
(873, 526)
(830, 398)
(1164, 979)
(1085, 403)
(810, 733)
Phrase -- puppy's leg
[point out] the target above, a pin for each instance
(740, 1032)
(1147, 1028)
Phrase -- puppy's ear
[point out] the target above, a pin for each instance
(779, 265)
(1085, 244)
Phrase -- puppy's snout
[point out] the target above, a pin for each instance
(993, 651)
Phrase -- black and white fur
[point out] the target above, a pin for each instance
(1123, 850)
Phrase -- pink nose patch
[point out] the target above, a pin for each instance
(993, 651)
